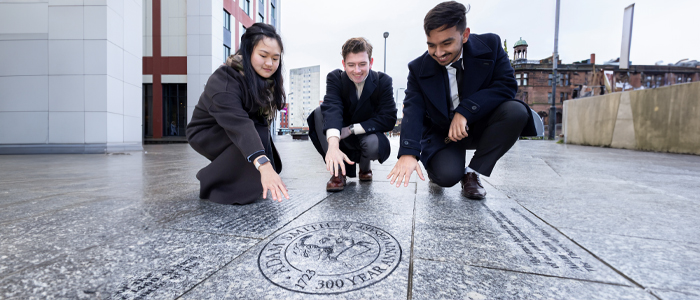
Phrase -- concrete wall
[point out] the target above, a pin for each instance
(665, 119)
(204, 46)
(70, 76)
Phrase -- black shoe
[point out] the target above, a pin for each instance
(472, 188)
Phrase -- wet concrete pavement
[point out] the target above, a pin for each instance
(559, 222)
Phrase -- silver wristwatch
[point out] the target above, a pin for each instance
(260, 161)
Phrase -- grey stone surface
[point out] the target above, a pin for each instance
(559, 222)
(438, 280)
(243, 279)
(499, 233)
(656, 264)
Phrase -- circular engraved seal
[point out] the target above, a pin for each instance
(329, 257)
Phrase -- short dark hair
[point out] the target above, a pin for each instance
(356, 45)
(446, 15)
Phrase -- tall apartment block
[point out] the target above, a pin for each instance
(304, 95)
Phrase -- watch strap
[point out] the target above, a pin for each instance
(260, 161)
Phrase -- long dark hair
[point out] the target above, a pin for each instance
(258, 86)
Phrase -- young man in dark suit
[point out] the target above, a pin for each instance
(357, 109)
(459, 96)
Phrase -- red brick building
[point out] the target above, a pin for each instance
(585, 78)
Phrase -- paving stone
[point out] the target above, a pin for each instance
(442, 280)
(655, 264)
(372, 260)
(153, 263)
(499, 233)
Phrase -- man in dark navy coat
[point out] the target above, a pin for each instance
(357, 109)
(459, 96)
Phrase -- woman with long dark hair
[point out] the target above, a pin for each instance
(230, 124)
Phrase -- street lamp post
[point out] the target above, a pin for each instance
(555, 80)
(386, 35)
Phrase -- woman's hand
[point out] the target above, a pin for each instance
(271, 181)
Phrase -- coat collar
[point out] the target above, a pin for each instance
(473, 48)
(432, 75)
(367, 90)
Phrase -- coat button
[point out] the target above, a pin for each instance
(405, 142)
(474, 107)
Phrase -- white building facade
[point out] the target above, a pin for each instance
(96, 76)
(70, 80)
(304, 95)
(185, 41)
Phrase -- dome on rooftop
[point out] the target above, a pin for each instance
(520, 42)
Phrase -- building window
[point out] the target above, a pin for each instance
(273, 17)
(261, 11)
(563, 96)
(245, 6)
(549, 97)
(689, 79)
(647, 82)
(174, 109)
(227, 20)
(549, 80)
(524, 78)
(227, 52)
(659, 81)
(525, 97)
(517, 79)
(564, 79)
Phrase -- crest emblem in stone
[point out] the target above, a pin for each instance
(329, 257)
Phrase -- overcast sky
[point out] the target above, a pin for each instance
(313, 31)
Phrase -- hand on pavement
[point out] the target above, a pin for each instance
(271, 181)
(403, 170)
(335, 157)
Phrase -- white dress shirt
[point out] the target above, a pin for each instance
(454, 89)
(357, 128)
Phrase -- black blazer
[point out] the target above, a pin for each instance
(375, 110)
(224, 105)
(488, 81)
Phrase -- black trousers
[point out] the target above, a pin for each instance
(369, 143)
(491, 137)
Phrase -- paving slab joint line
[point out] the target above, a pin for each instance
(591, 253)
(550, 166)
(640, 237)
(55, 210)
(529, 273)
(41, 264)
(212, 233)
(252, 247)
(409, 294)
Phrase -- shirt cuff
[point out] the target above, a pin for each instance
(255, 155)
(358, 129)
(332, 132)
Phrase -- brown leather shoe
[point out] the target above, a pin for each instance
(336, 183)
(366, 176)
(472, 188)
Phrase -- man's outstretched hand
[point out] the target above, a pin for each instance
(335, 158)
(403, 169)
